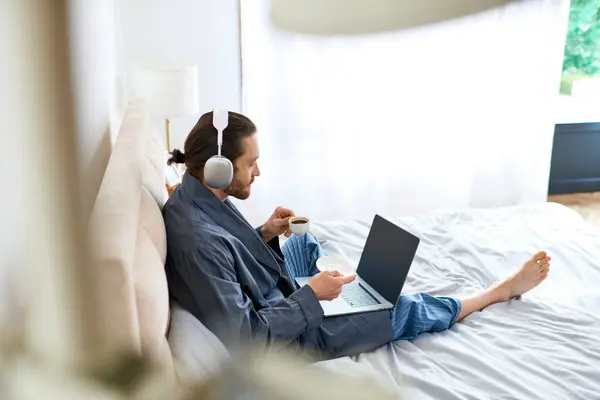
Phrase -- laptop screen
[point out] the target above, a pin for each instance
(387, 257)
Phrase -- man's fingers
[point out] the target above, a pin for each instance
(335, 273)
(282, 222)
(283, 212)
(347, 278)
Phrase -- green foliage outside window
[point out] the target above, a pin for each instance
(582, 49)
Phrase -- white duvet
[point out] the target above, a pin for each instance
(546, 346)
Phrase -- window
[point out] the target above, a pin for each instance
(580, 83)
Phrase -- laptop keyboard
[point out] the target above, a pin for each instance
(357, 296)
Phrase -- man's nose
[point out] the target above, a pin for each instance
(257, 172)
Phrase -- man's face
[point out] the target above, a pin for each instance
(245, 168)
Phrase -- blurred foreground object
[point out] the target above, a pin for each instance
(254, 375)
(347, 17)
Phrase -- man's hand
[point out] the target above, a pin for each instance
(277, 224)
(327, 285)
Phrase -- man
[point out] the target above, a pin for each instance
(240, 284)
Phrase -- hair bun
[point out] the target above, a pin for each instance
(177, 157)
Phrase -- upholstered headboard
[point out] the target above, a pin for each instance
(129, 241)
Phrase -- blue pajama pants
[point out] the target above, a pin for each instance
(412, 315)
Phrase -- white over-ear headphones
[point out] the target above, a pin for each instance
(218, 170)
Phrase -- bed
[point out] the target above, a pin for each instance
(544, 346)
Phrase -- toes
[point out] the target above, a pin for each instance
(544, 260)
(539, 256)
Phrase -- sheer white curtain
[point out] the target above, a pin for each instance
(448, 116)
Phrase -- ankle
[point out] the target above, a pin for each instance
(501, 291)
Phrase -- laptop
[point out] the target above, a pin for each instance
(381, 272)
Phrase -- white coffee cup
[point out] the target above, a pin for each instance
(299, 225)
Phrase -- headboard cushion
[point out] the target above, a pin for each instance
(153, 173)
(129, 238)
(113, 231)
(152, 223)
(152, 296)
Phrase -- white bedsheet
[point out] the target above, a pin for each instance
(546, 346)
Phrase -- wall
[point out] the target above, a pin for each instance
(98, 110)
(201, 32)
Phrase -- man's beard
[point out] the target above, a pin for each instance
(236, 189)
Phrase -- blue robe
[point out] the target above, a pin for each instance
(221, 270)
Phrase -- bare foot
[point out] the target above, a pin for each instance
(531, 274)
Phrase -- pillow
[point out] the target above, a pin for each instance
(197, 352)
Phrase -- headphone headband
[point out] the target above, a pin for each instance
(218, 170)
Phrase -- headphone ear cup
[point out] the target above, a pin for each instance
(218, 172)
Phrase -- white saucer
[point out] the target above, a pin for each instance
(338, 263)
